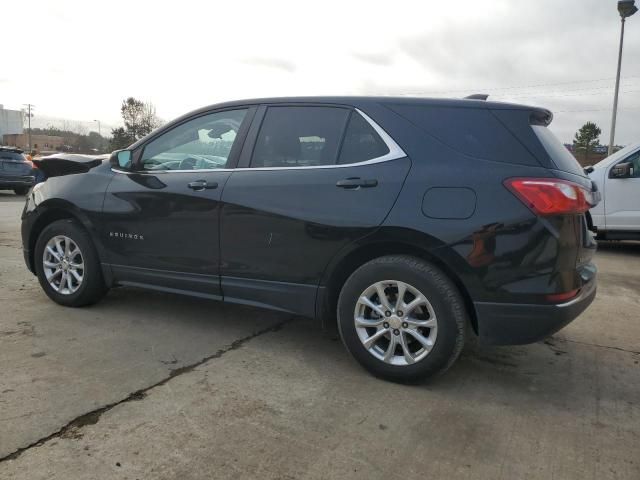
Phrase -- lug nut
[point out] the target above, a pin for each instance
(387, 313)
(400, 314)
(396, 331)
(405, 325)
(385, 325)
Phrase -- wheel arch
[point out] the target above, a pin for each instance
(51, 212)
(340, 270)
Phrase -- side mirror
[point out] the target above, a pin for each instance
(588, 169)
(621, 170)
(121, 159)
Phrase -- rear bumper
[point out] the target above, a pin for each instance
(517, 324)
(8, 182)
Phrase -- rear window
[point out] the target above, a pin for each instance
(558, 153)
(8, 155)
(476, 132)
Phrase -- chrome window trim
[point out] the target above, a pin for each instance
(395, 153)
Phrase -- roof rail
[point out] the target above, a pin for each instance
(477, 96)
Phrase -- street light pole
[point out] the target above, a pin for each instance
(29, 115)
(99, 132)
(615, 94)
(626, 8)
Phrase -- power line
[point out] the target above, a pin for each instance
(515, 87)
(628, 109)
(560, 94)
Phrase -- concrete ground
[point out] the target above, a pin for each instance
(145, 385)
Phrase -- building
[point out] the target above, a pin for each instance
(11, 122)
(41, 143)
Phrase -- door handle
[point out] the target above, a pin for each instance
(198, 185)
(353, 183)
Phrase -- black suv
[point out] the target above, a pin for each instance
(17, 173)
(409, 224)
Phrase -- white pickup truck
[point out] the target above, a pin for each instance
(617, 216)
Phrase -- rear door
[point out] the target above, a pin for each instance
(622, 197)
(310, 180)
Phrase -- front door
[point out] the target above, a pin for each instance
(318, 179)
(161, 220)
(622, 198)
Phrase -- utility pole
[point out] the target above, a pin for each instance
(626, 8)
(29, 115)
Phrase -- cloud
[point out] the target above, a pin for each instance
(545, 53)
(277, 63)
(381, 59)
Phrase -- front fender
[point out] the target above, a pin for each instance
(78, 196)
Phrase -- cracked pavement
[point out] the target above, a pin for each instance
(146, 385)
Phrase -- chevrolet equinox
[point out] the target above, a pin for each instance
(409, 224)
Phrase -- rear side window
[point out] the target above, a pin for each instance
(361, 142)
(558, 153)
(7, 155)
(299, 137)
(475, 132)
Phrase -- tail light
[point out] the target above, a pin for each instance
(545, 196)
(31, 164)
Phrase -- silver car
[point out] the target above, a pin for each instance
(17, 173)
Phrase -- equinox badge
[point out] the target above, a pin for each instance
(130, 236)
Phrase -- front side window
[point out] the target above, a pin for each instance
(299, 137)
(199, 144)
(634, 160)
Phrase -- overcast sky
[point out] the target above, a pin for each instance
(79, 59)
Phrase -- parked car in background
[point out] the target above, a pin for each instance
(17, 172)
(406, 223)
(617, 216)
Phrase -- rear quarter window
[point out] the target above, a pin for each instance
(475, 132)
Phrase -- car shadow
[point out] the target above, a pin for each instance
(555, 372)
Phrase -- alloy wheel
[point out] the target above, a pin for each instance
(63, 265)
(395, 322)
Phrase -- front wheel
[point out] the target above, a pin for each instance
(402, 318)
(67, 265)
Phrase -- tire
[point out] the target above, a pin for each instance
(21, 190)
(92, 287)
(444, 312)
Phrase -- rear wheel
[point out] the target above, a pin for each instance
(67, 265)
(21, 190)
(402, 318)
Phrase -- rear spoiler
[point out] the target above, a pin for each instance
(477, 96)
(540, 116)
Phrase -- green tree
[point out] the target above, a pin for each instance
(139, 120)
(120, 138)
(586, 139)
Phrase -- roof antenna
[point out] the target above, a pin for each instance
(478, 96)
